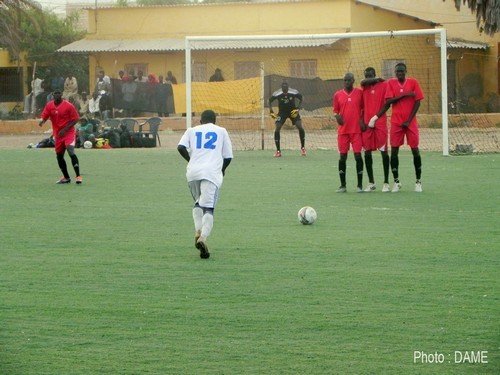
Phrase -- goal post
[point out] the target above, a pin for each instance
(254, 65)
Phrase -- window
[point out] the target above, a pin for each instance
(388, 67)
(133, 69)
(303, 68)
(246, 69)
(198, 72)
(11, 88)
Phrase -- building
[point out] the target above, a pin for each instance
(152, 40)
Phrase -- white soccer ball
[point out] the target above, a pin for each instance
(87, 144)
(307, 215)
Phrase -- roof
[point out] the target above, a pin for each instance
(466, 44)
(398, 13)
(124, 45)
(178, 44)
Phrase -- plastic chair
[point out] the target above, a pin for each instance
(130, 124)
(152, 125)
(112, 123)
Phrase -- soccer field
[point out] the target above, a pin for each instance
(104, 278)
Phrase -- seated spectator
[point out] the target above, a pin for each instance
(83, 102)
(105, 106)
(86, 129)
(94, 110)
(70, 87)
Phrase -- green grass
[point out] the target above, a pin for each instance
(103, 278)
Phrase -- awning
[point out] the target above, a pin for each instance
(463, 44)
(178, 44)
(124, 45)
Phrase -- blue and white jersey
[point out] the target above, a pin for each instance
(208, 146)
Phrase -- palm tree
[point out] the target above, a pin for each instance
(487, 13)
(12, 13)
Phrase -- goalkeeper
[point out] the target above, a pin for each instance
(289, 103)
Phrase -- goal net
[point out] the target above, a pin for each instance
(250, 68)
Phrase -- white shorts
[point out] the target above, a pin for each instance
(204, 192)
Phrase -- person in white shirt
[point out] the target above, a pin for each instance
(208, 150)
(94, 109)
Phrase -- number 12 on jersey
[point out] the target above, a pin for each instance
(206, 140)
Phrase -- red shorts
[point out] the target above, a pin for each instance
(345, 140)
(375, 139)
(398, 134)
(62, 143)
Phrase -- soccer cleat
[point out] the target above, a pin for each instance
(360, 190)
(386, 188)
(303, 151)
(371, 187)
(418, 186)
(202, 246)
(277, 154)
(341, 189)
(396, 187)
(63, 180)
(79, 180)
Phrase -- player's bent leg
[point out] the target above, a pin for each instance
(64, 169)
(302, 136)
(206, 229)
(277, 138)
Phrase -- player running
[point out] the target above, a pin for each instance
(63, 116)
(209, 156)
(375, 133)
(287, 108)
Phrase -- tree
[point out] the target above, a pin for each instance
(42, 45)
(487, 14)
(13, 13)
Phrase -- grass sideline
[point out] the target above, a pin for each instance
(103, 278)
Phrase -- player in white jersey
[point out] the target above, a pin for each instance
(208, 150)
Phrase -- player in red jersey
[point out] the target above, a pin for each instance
(63, 116)
(347, 107)
(405, 95)
(375, 132)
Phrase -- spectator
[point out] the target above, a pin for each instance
(217, 76)
(129, 89)
(70, 87)
(85, 130)
(122, 75)
(36, 89)
(140, 77)
(161, 96)
(171, 78)
(94, 110)
(105, 105)
(83, 101)
(103, 83)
